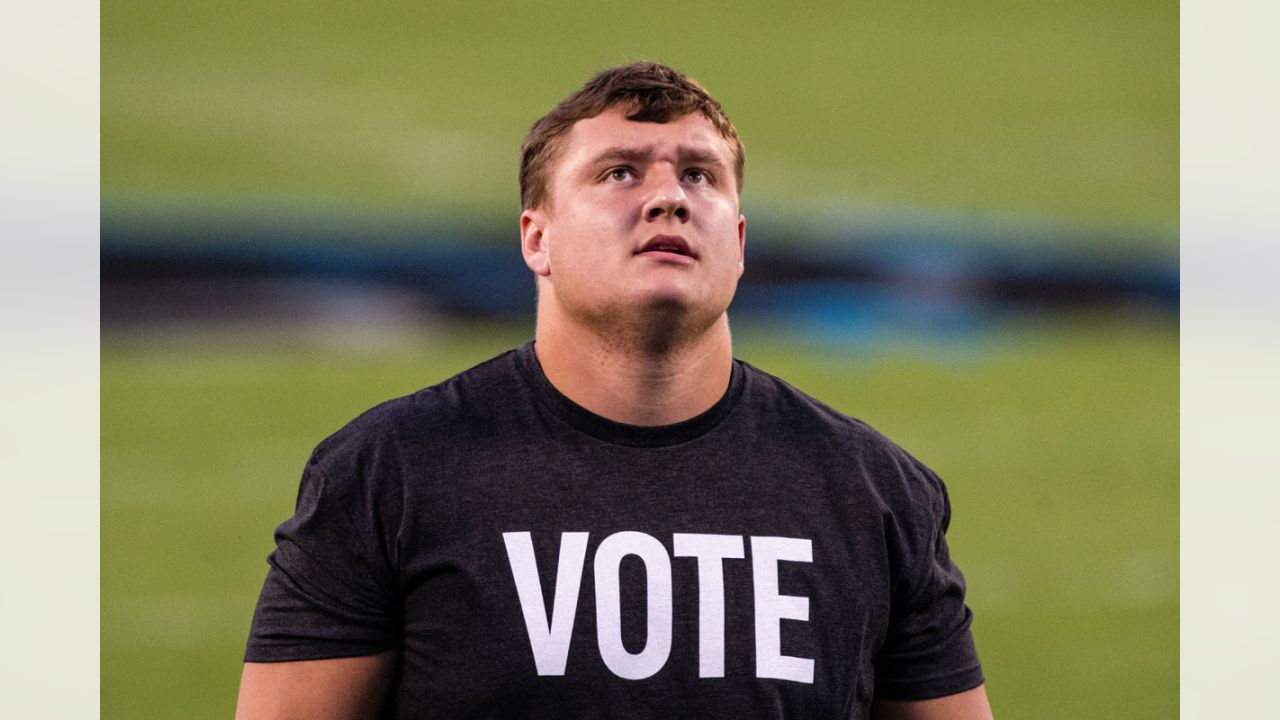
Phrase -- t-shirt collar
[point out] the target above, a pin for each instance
(618, 433)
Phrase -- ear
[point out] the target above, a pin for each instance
(742, 244)
(533, 242)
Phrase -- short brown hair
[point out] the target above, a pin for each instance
(653, 92)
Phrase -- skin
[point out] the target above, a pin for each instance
(637, 337)
(338, 689)
(641, 338)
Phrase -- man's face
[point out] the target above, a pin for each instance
(642, 217)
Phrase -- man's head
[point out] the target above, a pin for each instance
(646, 92)
(631, 217)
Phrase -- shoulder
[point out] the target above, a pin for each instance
(774, 400)
(778, 409)
(471, 398)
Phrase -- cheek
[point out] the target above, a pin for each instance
(578, 253)
(593, 234)
(721, 214)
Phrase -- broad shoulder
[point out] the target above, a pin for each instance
(779, 410)
(471, 398)
(777, 401)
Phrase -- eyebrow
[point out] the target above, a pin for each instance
(620, 154)
(702, 157)
(696, 156)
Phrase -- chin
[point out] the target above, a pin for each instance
(675, 297)
(666, 299)
(682, 309)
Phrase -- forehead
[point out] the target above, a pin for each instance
(611, 130)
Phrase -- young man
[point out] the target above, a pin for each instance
(618, 519)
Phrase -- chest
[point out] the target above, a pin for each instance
(593, 587)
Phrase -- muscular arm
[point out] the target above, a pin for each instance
(338, 689)
(968, 705)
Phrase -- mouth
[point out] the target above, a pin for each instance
(667, 244)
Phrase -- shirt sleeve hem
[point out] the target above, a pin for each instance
(292, 653)
(933, 687)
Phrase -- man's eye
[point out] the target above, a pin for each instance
(620, 174)
(697, 177)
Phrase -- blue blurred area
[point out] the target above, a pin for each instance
(936, 281)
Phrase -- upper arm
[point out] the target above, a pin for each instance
(928, 649)
(967, 705)
(335, 689)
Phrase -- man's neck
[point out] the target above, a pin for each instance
(629, 383)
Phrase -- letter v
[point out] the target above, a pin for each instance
(550, 644)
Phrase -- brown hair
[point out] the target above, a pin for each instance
(652, 91)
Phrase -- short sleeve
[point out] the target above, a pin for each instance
(928, 650)
(331, 589)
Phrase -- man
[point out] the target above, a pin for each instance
(618, 519)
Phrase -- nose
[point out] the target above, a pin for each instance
(667, 199)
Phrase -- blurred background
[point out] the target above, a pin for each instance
(962, 229)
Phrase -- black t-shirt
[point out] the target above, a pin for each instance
(769, 558)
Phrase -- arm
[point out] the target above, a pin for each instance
(339, 689)
(967, 705)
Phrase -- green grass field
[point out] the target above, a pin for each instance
(1058, 442)
(1062, 110)
(1058, 439)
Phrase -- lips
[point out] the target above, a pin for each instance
(673, 244)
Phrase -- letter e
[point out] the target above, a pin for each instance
(772, 608)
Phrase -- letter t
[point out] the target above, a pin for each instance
(711, 550)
